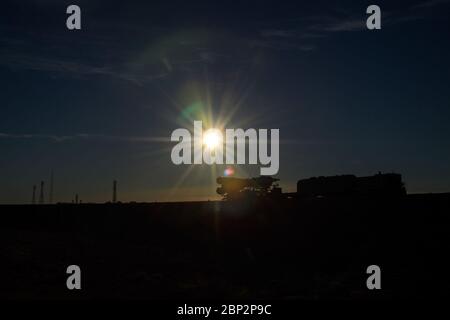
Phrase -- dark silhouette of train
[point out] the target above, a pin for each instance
(264, 187)
(383, 184)
(241, 188)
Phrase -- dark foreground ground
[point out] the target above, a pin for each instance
(313, 249)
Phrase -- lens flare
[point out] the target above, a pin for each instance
(228, 172)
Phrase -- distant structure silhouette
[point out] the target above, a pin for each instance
(239, 188)
(114, 198)
(41, 194)
(264, 187)
(33, 201)
(76, 198)
(349, 185)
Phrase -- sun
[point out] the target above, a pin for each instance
(212, 138)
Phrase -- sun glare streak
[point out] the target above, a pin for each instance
(216, 110)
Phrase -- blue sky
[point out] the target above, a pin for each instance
(100, 103)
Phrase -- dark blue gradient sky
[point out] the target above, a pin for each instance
(100, 103)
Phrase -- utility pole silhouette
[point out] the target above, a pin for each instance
(50, 197)
(76, 198)
(33, 201)
(41, 195)
(114, 199)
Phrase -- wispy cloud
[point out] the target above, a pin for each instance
(304, 37)
(282, 45)
(337, 25)
(34, 136)
(82, 136)
(429, 4)
(277, 33)
(303, 33)
(55, 65)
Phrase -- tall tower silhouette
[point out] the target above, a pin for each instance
(50, 196)
(41, 195)
(114, 199)
(33, 201)
(76, 198)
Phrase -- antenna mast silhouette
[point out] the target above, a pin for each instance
(33, 201)
(114, 199)
(41, 195)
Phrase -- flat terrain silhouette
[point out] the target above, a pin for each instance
(269, 249)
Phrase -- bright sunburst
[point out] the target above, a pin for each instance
(212, 138)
